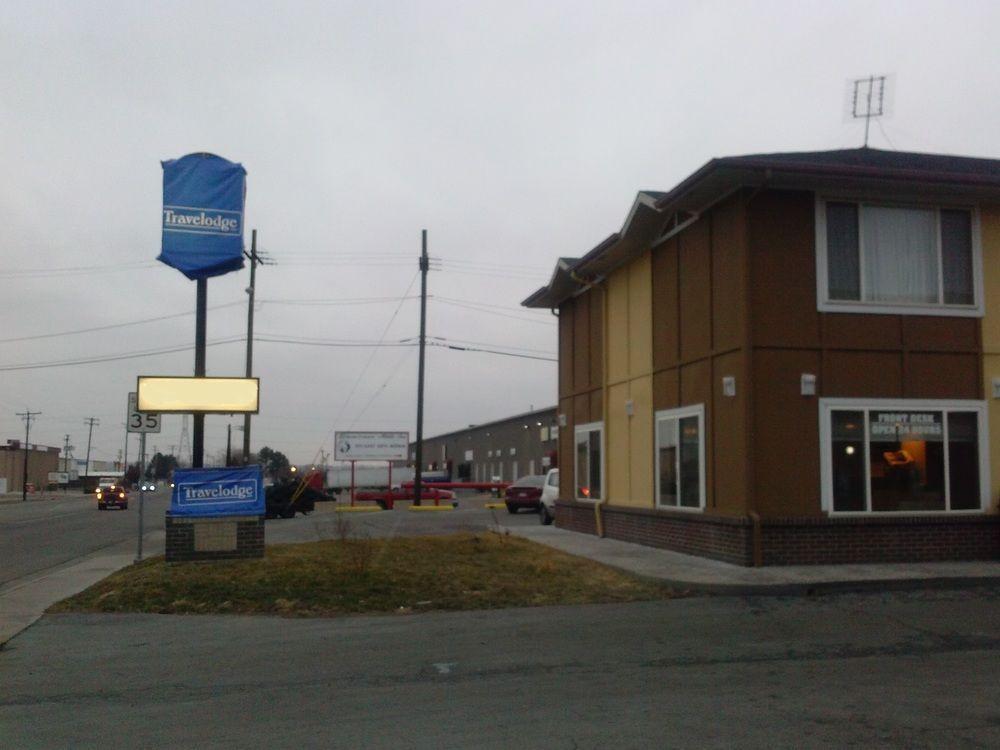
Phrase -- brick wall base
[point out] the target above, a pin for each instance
(795, 541)
(214, 538)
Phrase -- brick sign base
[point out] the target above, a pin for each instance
(214, 538)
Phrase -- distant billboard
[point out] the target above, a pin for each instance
(371, 446)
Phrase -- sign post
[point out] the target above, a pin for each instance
(204, 197)
(141, 422)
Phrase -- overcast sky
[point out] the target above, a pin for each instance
(513, 132)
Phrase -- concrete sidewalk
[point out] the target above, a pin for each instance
(713, 577)
(24, 600)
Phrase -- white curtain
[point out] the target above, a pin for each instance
(900, 254)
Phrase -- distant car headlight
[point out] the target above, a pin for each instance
(121, 494)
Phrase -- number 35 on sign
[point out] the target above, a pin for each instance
(138, 421)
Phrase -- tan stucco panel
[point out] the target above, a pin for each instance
(641, 438)
(616, 445)
(989, 221)
(989, 217)
(991, 365)
(640, 316)
(617, 327)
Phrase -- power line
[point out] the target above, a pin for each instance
(455, 347)
(97, 359)
(111, 326)
(77, 270)
(372, 355)
(326, 301)
(493, 312)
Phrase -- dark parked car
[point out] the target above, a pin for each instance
(526, 492)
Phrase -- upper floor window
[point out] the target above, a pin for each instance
(897, 258)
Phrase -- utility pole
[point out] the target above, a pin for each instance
(27, 415)
(250, 294)
(66, 449)
(90, 421)
(255, 260)
(418, 469)
(229, 444)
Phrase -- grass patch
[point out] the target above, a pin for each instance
(353, 576)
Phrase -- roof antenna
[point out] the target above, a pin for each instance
(868, 100)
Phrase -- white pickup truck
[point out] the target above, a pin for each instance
(550, 493)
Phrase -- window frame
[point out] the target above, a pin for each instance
(829, 405)
(586, 429)
(825, 304)
(696, 410)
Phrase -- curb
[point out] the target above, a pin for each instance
(430, 508)
(495, 506)
(358, 509)
(823, 588)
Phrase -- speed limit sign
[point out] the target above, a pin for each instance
(138, 421)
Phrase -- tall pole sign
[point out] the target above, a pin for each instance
(203, 203)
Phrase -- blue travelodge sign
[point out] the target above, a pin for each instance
(203, 201)
(218, 492)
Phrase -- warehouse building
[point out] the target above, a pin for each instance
(504, 450)
(41, 461)
(790, 358)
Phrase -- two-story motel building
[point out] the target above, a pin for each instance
(790, 358)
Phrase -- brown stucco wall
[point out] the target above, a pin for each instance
(700, 310)
(581, 369)
(852, 355)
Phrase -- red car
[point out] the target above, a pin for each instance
(526, 492)
(112, 496)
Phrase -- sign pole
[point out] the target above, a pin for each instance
(390, 476)
(201, 307)
(142, 490)
(352, 484)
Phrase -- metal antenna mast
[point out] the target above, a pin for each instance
(868, 100)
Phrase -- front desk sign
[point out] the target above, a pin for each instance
(216, 514)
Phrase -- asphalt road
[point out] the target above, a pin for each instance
(38, 535)
(897, 670)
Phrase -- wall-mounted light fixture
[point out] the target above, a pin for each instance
(808, 384)
(629, 408)
(729, 386)
(562, 420)
(996, 387)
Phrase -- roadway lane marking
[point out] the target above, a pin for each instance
(444, 667)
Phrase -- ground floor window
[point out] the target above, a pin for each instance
(680, 458)
(589, 439)
(903, 456)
